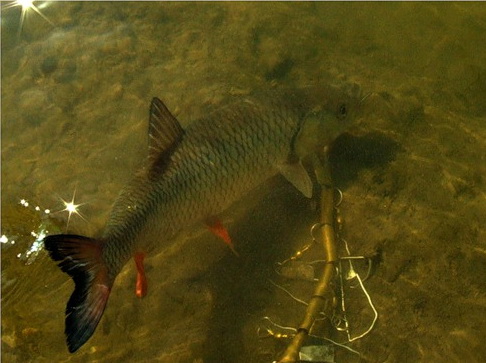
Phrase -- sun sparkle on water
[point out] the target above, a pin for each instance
(71, 208)
(27, 6)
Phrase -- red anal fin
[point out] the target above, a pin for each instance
(141, 284)
(217, 228)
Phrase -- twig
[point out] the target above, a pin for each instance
(316, 302)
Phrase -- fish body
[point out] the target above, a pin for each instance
(193, 175)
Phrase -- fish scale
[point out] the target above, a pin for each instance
(193, 175)
(190, 175)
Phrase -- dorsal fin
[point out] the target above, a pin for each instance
(164, 133)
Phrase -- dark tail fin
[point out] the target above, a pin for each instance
(80, 257)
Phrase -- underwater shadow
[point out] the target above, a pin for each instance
(266, 233)
(240, 286)
(350, 154)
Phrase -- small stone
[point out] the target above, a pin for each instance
(28, 332)
(9, 340)
(116, 91)
(49, 65)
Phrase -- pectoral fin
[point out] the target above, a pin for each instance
(141, 284)
(217, 228)
(296, 174)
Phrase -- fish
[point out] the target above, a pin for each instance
(192, 175)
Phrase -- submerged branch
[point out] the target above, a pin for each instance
(318, 299)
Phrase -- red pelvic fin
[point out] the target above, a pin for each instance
(141, 284)
(80, 257)
(217, 228)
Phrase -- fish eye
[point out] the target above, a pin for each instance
(342, 111)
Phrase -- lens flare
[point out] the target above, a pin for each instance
(27, 6)
(71, 208)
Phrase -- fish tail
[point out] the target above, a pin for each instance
(81, 258)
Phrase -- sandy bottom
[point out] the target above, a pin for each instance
(75, 101)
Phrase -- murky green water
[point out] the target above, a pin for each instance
(75, 97)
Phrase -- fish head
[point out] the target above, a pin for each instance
(328, 111)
